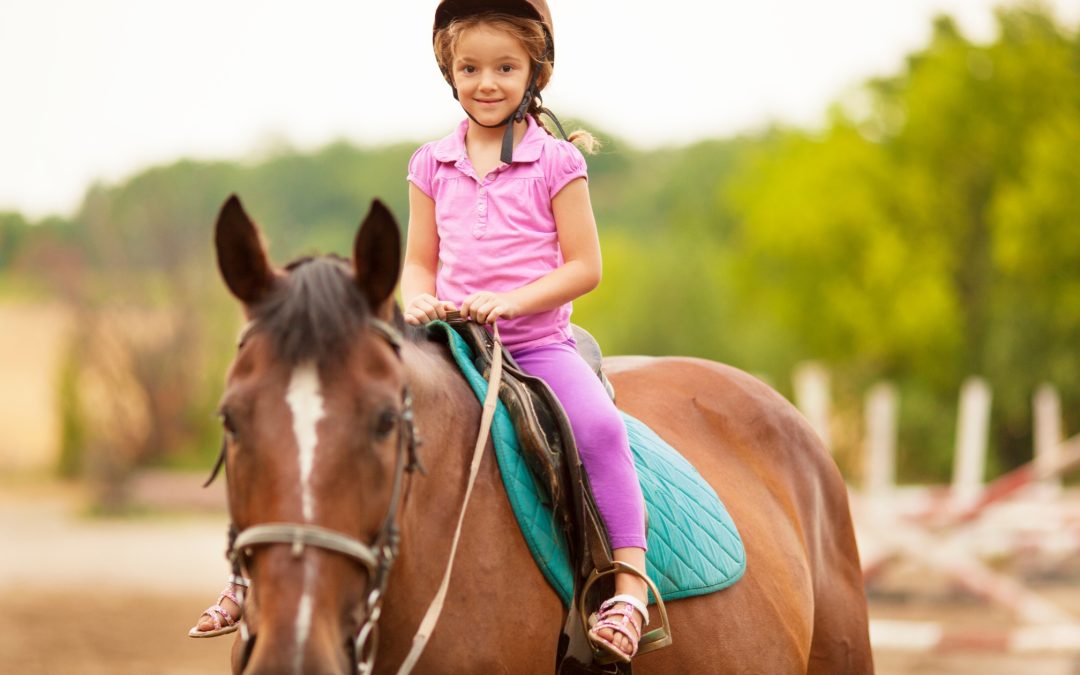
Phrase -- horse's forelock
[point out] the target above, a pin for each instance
(316, 312)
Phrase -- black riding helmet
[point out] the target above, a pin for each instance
(449, 10)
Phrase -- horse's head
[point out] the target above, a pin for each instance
(318, 431)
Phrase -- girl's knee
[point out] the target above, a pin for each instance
(602, 434)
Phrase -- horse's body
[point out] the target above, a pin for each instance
(799, 608)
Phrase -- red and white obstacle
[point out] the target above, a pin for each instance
(949, 531)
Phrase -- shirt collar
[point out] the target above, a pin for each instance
(452, 147)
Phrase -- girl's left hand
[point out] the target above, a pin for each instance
(487, 306)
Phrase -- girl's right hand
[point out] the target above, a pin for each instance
(424, 308)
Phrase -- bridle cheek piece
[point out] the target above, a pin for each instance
(377, 557)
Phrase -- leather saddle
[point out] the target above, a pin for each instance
(547, 443)
(542, 428)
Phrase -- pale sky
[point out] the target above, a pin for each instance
(99, 90)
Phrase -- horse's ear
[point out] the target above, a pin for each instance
(377, 258)
(241, 255)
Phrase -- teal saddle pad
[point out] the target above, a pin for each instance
(694, 547)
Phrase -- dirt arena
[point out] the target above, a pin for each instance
(103, 596)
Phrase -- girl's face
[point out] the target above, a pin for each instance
(491, 72)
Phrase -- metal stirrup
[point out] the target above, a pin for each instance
(648, 642)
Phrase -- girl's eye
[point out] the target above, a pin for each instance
(468, 69)
(507, 68)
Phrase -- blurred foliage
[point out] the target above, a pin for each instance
(926, 233)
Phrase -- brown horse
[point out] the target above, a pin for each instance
(317, 421)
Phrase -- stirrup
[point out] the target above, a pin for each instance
(657, 638)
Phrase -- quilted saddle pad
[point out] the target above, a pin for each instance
(694, 547)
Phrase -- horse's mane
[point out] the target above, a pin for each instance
(315, 313)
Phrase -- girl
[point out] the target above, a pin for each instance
(501, 228)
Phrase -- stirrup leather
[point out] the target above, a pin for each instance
(657, 638)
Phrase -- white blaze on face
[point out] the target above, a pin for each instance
(303, 623)
(306, 403)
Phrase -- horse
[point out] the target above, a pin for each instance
(340, 535)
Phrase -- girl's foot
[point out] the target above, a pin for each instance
(620, 621)
(617, 626)
(222, 617)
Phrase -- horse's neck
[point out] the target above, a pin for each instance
(448, 420)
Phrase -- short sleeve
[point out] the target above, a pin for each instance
(422, 169)
(563, 163)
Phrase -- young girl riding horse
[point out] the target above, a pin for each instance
(501, 229)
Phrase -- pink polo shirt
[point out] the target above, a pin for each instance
(498, 234)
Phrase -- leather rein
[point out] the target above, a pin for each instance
(377, 557)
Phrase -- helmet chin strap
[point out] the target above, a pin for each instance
(507, 153)
(506, 156)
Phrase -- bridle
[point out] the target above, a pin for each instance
(377, 557)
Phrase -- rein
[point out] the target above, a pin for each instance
(378, 557)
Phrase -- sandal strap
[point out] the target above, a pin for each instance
(621, 629)
(227, 592)
(629, 600)
(619, 620)
(217, 613)
(620, 617)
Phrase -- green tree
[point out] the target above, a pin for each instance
(901, 240)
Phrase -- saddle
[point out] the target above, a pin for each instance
(543, 430)
(548, 446)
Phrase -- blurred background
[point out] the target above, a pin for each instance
(872, 206)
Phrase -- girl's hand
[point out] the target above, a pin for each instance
(424, 308)
(487, 306)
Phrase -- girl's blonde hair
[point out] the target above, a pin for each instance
(530, 34)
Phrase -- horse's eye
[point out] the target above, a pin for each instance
(385, 423)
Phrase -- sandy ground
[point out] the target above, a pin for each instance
(90, 595)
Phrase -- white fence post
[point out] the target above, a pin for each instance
(880, 448)
(812, 398)
(1048, 437)
(972, 431)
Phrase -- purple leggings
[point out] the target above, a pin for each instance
(600, 435)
